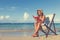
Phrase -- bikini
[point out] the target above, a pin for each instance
(38, 19)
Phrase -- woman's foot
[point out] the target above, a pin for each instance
(35, 35)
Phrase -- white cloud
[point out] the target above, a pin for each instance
(1, 17)
(7, 17)
(26, 16)
(4, 17)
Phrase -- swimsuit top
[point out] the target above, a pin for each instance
(38, 19)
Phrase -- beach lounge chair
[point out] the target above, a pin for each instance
(46, 26)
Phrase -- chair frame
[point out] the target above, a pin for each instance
(49, 27)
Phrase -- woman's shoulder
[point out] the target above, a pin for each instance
(44, 16)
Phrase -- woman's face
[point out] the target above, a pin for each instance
(39, 13)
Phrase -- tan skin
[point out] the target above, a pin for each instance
(38, 25)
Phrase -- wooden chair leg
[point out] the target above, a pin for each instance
(54, 28)
(49, 29)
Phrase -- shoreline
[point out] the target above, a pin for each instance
(16, 30)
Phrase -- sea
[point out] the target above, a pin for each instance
(22, 29)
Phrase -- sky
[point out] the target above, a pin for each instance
(21, 11)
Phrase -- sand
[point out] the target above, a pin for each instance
(50, 37)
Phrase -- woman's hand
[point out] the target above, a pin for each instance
(35, 17)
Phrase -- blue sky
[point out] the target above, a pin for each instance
(19, 11)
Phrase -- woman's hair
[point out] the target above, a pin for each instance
(40, 11)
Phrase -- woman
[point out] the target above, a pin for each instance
(39, 20)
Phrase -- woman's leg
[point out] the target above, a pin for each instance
(37, 27)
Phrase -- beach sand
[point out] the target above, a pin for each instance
(50, 37)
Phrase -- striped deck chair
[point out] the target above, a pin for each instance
(46, 26)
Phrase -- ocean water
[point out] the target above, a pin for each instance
(28, 29)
